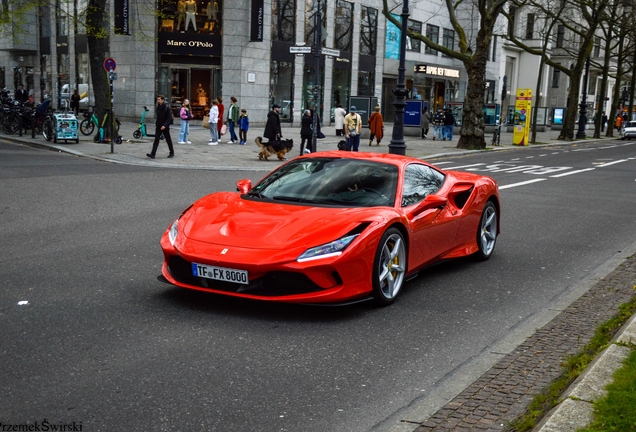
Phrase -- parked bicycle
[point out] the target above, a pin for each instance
(90, 122)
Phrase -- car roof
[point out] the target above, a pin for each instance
(376, 157)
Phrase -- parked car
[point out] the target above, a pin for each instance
(628, 131)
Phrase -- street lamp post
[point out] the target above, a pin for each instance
(580, 134)
(317, 43)
(397, 146)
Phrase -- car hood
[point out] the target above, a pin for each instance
(227, 219)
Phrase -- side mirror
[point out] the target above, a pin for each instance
(244, 186)
(430, 202)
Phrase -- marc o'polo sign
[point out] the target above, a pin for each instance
(190, 44)
(257, 20)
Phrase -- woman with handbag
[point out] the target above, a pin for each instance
(352, 128)
(186, 114)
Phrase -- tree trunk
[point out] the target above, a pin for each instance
(472, 130)
(98, 50)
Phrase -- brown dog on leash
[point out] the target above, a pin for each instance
(279, 148)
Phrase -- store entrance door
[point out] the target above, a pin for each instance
(196, 85)
(440, 91)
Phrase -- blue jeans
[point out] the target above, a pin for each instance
(437, 132)
(354, 142)
(184, 131)
(230, 126)
(213, 132)
(448, 132)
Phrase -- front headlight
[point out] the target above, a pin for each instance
(173, 231)
(332, 249)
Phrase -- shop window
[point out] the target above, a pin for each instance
(366, 83)
(191, 16)
(368, 31)
(344, 25)
(281, 88)
(341, 88)
(414, 44)
(432, 32)
(284, 20)
(309, 87)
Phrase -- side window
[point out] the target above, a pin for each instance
(419, 182)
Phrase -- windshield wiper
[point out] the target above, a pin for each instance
(255, 194)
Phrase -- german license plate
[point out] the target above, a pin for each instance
(220, 273)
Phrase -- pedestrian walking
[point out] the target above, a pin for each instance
(603, 121)
(75, 100)
(162, 126)
(306, 131)
(352, 128)
(214, 121)
(338, 116)
(449, 124)
(232, 119)
(438, 124)
(272, 127)
(221, 108)
(619, 122)
(244, 125)
(425, 121)
(186, 115)
(376, 126)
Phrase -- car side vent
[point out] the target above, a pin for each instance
(461, 198)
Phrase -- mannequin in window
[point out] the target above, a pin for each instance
(212, 11)
(191, 14)
(201, 95)
(181, 7)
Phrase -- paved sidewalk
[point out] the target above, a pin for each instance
(502, 392)
(224, 156)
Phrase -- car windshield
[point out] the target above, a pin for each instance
(331, 181)
(631, 124)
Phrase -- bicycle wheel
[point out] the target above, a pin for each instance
(9, 124)
(87, 127)
(47, 129)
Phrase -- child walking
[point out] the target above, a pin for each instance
(244, 125)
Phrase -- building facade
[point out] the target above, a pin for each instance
(201, 49)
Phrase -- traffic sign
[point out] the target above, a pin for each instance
(330, 52)
(300, 50)
(109, 64)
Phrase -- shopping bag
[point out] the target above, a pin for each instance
(223, 129)
(205, 122)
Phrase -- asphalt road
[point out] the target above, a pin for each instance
(102, 342)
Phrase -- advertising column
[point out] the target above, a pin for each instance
(522, 117)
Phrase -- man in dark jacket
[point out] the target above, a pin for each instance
(306, 131)
(21, 95)
(272, 127)
(449, 124)
(162, 126)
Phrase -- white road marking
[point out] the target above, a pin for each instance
(572, 172)
(612, 163)
(521, 183)
(464, 166)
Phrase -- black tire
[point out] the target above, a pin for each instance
(118, 140)
(87, 127)
(9, 124)
(487, 232)
(389, 267)
(96, 138)
(47, 130)
(137, 134)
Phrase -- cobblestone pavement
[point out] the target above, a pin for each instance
(505, 391)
